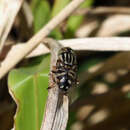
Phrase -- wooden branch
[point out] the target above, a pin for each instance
(35, 40)
(8, 12)
(56, 112)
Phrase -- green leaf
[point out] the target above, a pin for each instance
(74, 22)
(72, 25)
(87, 3)
(128, 95)
(58, 6)
(41, 12)
(28, 87)
(56, 34)
(34, 3)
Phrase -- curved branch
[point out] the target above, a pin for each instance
(56, 112)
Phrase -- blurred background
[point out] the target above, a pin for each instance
(102, 100)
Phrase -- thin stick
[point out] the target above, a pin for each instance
(35, 40)
(103, 11)
(56, 112)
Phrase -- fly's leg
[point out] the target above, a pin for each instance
(53, 77)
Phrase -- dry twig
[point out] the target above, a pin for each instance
(56, 113)
(35, 40)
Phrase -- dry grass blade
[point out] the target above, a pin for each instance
(28, 13)
(56, 113)
(103, 11)
(35, 40)
(98, 26)
(116, 24)
(89, 44)
(8, 11)
(99, 44)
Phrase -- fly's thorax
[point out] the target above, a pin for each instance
(67, 56)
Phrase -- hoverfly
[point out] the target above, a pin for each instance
(66, 69)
